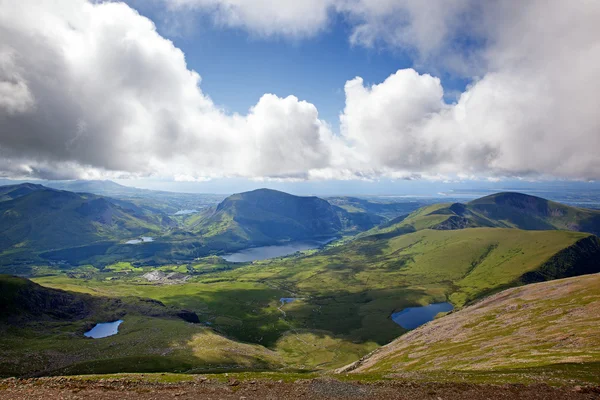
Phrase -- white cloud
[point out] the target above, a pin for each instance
(265, 17)
(94, 87)
(385, 121)
(424, 27)
(533, 113)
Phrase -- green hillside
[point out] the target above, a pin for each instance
(46, 219)
(357, 286)
(540, 325)
(386, 209)
(346, 294)
(501, 210)
(41, 332)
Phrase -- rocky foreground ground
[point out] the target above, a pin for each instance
(321, 388)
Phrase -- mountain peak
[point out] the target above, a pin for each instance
(267, 215)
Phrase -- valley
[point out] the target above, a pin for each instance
(310, 309)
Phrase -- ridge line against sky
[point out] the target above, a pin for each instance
(437, 90)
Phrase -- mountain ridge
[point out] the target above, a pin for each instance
(500, 210)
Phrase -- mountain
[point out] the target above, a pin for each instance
(12, 192)
(36, 218)
(534, 213)
(269, 216)
(151, 200)
(501, 210)
(544, 324)
(374, 206)
(104, 188)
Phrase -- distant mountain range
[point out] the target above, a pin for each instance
(153, 200)
(71, 226)
(83, 227)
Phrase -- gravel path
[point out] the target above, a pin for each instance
(202, 388)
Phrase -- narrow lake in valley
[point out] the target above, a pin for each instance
(266, 252)
(185, 212)
(143, 239)
(104, 330)
(413, 317)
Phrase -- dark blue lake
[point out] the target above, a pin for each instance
(266, 252)
(413, 317)
(286, 300)
(104, 330)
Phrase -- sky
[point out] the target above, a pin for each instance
(230, 94)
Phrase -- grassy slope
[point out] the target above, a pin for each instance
(347, 293)
(532, 326)
(386, 209)
(424, 218)
(41, 332)
(247, 311)
(143, 345)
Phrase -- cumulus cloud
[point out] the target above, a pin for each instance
(88, 86)
(265, 17)
(90, 89)
(422, 27)
(532, 113)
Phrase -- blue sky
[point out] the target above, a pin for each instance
(238, 67)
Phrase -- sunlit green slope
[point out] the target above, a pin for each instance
(532, 326)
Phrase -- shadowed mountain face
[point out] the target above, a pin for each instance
(35, 217)
(21, 298)
(267, 215)
(15, 191)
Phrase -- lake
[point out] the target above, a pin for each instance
(266, 252)
(413, 317)
(143, 239)
(104, 330)
(185, 212)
